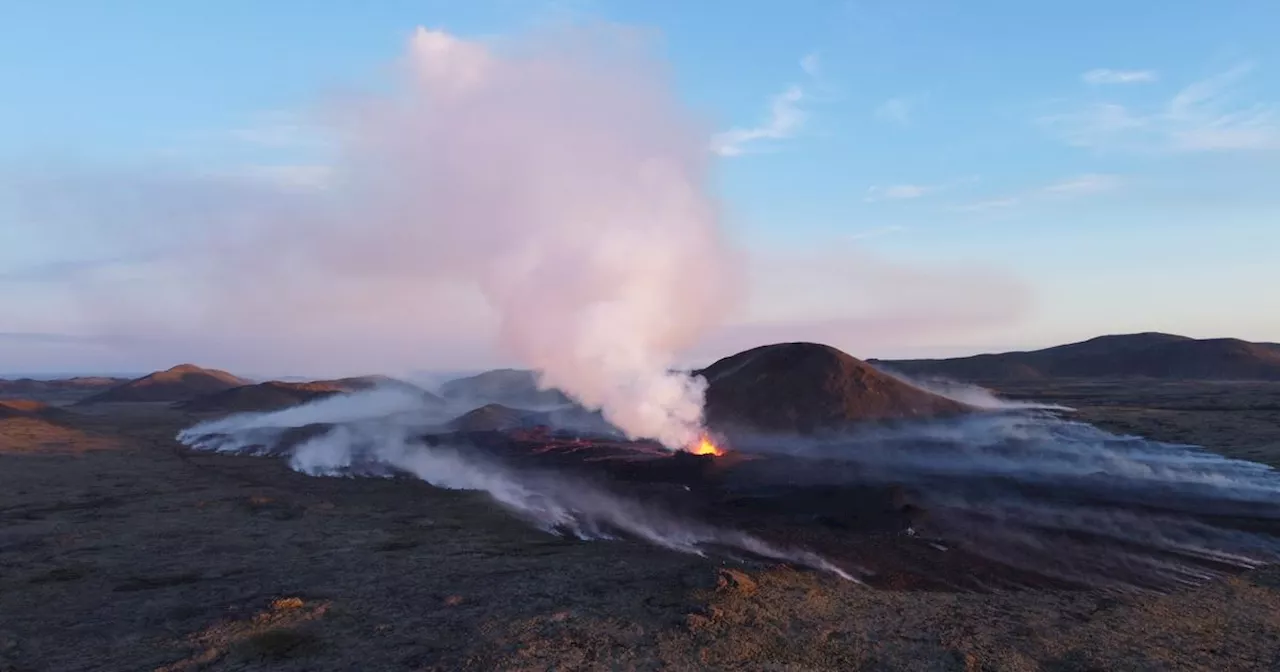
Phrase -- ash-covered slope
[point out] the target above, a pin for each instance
(807, 387)
(180, 383)
(1147, 355)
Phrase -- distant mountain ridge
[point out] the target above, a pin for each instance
(1144, 355)
(69, 389)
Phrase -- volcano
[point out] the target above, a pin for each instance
(804, 388)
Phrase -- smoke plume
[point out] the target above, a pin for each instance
(571, 187)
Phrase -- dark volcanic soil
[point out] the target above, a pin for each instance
(135, 554)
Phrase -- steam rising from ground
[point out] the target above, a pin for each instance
(572, 188)
(1053, 498)
(1059, 498)
(968, 393)
(378, 433)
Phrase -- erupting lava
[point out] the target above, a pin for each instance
(706, 446)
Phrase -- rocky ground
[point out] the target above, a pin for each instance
(119, 550)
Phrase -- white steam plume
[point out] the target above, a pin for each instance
(571, 187)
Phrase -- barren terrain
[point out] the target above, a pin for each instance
(121, 550)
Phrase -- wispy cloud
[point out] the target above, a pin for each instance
(904, 192)
(1211, 115)
(278, 130)
(786, 117)
(1107, 76)
(811, 64)
(897, 192)
(1089, 183)
(290, 176)
(899, 111)
(1070, 187)
(875, 233)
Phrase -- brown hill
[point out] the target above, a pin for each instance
(180, 383)
(492, 418)
(511, 387)
(807, 387)
(26, 408)
(1146, 355)
(34, 413)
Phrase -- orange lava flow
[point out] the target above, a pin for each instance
(706, 447)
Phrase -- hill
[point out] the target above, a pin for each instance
(180, 383)
(269, 396)
(25, 408)
(493, 418)
(1146, 355)
(509, 387)
(274, 394)
(807, 387)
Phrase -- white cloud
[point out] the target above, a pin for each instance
(904, 192)
(1089, 183)
(811, 64)
(1070, 187)
(989, 204)
(1211, 115)
(897, 192)
(875, 233)
(279, 130)
(897, 110)
(786, 117)
(1108, 76)
(291, 176)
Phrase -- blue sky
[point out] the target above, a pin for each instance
(1110, 167)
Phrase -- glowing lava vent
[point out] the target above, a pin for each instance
(705, 446)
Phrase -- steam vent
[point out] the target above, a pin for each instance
(806, 388)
